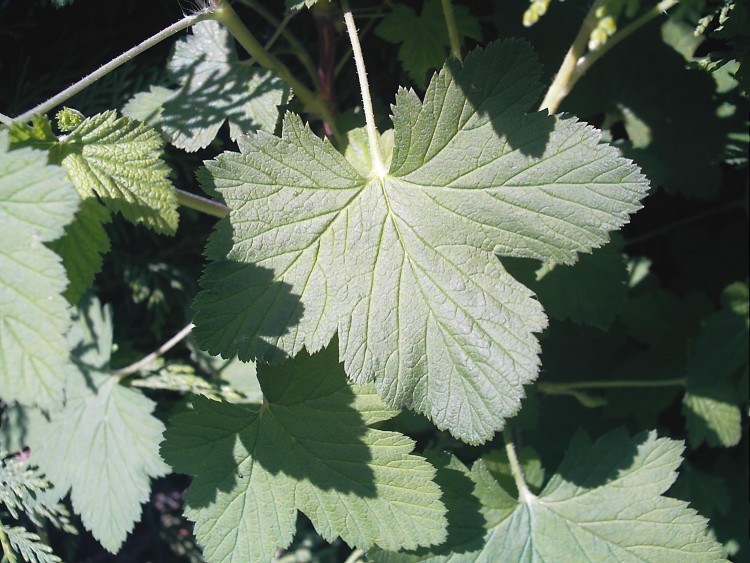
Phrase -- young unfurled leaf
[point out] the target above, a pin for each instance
(116, 159)
(424, 38)
(604, 503)
(214, 87)
(36, 203)
(120, 161)
(308, 448)
(103, 445)
(403, 266)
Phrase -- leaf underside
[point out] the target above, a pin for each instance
(36, 203)
(403, 267)
(309, 449)
(103, 445)
(603, 504)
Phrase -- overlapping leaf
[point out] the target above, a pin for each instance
(403, 266)
(36, 203)
(603, 504)
(308, 448)
(424, 38)
(102, 446)
(119, 160)
(214, 87)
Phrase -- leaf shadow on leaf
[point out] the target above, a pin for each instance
(242, 310)
(207, 100)
(614, 453)
(501, 86)
(315, 434)
(308, 430)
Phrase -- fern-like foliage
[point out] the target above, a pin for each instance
(26, 495)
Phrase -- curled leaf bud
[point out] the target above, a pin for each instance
(68, 119)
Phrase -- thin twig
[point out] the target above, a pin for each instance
(562, 388)
(160, 351)
(450, 22)
(115, 63)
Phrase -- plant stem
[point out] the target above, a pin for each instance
(202, 204)
(524, 494)
(372, 132)
(115, 63)
(562, 388)
(576, 64)
(586, 63)
(297, 48)
(564, 80)
(5, 120)
(226, 15)
(163, 349)
(7, 551)
(324, 23)
(450, 22)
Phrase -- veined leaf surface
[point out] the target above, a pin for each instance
(403, 265)
(308, 448)
(36, 203)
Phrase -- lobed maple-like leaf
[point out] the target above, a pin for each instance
(214, 87)
(36, 203)
(103, 444)
(308, 448)
(403, 266)
(604, 503)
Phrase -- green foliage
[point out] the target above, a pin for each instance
(102, 445)
(424, 38)
(36, 203)
(364, 291)
(433, 267)
(308, 448)
(210, 76)
(603, 503)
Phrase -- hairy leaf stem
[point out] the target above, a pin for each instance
(297, 48)
(355, 556)
(202, 204)
(577, 62)
(226, 15)
(564, 388)
(524, 494)
(160, 351)
(115, 63)
(372, 131)
(450, 22)
(5, 120)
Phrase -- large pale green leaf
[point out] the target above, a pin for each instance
(604, 503)
(103, 445)
(36, 203)
(307, 448)
(403, 264)
(214, 87)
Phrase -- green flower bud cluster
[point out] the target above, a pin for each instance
(535, 11)
(68, 119)
(607, 15)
